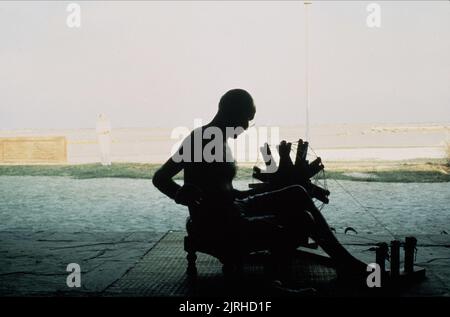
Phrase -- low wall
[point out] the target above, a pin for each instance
(33, 150)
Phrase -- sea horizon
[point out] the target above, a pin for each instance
(333, 142)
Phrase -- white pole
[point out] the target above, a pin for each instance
(306, 4)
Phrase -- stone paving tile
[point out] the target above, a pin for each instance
(35, 263)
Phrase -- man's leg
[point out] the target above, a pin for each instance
(325, 237)
(264, 232)
(289, 204)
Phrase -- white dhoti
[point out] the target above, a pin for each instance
(104, 141)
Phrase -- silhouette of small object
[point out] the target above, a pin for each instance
(350, 229)
(444, 232)
(333, 229)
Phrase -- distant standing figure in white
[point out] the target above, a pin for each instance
(104, 139)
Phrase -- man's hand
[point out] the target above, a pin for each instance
(189, 195)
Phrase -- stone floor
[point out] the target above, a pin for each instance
(153, 264)
(34, 264)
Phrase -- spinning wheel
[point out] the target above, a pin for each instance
(285, 173)
(310, 175)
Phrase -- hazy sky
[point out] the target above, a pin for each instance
(150, 64)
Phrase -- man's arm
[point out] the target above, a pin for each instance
(187, 195)
(162, 179)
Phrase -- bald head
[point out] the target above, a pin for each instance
(237, 105)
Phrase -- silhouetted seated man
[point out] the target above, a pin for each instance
(244, 218)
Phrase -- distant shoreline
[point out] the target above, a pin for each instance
(407, 171)
(333, 142)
